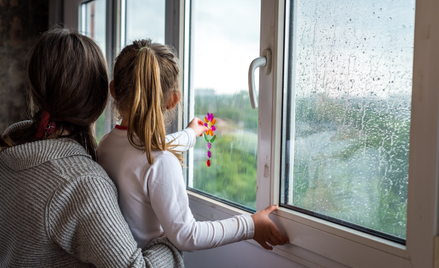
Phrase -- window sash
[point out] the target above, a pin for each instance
(190, 108)
(344, 245)
(317, 242)
(298, 94)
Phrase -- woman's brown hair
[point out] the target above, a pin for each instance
(67, 77)
(145, 77)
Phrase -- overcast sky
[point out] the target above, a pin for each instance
(145, 19)
(226, 36)
(336, 42)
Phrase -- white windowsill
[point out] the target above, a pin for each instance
(314, 242)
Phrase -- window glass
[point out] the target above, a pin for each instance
(346, 112)
(223, 43)
(93, 21)
(145, 19)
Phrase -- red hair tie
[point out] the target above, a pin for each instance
(46, 126)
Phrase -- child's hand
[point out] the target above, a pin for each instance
(266, 231)
(198, 126)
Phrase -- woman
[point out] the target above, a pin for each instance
(58, 208)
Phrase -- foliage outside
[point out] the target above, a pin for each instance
(232, 174)
(100, 127)
(350, 157)
(351, 160)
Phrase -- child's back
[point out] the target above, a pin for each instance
(128, 168)
(153, 197)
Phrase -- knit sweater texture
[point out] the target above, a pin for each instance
(58, 208)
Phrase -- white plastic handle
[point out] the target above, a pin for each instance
(264, 61)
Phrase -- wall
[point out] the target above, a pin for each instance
(242, 254)
(21, 21)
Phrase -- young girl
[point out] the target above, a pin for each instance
(58, 207)
(145, 165)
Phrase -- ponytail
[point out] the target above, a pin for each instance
(146, 112)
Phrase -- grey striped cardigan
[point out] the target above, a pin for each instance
(58, 208)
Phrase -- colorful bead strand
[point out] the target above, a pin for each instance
(209, 122)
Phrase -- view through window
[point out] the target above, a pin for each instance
(145, 19)
(223, 44)
(93, 20)
(347, 112)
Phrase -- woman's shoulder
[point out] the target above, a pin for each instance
(59, 159)
(16, 126)
(56, 165)
(79, 165)
(81, 175)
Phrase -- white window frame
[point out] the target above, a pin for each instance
(319, 243)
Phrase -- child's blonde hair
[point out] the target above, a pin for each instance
(145, 78)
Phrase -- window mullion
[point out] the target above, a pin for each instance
(174, 36)
(422, 208)
(268, 127)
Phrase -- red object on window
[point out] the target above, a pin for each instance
(208, 163)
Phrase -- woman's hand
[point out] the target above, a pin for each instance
(198, 126)
(266, 231)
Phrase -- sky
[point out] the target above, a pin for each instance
(226, 36)
(353, 45)
(222, 49)
(145, 19)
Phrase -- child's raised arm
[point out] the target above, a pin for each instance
(185, 139)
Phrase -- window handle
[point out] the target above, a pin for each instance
(265, 63)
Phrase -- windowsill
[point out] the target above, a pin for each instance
(208, 209)
(223, 210)
(344, 232)
(314, 242)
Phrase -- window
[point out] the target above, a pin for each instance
(219, 52)
(337, 129)
(93, 25)
(133, 20)
(145, 19)
(346, 113)
(345, 137)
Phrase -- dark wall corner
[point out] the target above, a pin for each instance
(21, 22)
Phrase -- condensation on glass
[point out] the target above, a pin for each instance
(145, 19)
(224, 40)
(346, 112)
(93, 25)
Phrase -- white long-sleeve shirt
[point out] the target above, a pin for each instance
(153, 198)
